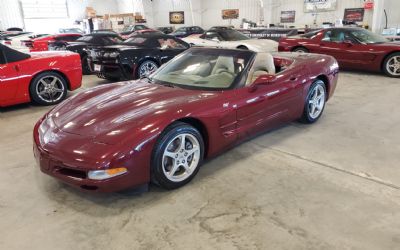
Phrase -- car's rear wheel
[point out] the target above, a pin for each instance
(177, 156)
(391, 65)
(48, 88)
(300, 50)
(315, 102)
(146, 68)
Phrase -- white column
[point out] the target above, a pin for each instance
(378, 17)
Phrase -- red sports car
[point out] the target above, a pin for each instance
(42, 43)
(42, 77)
(353, 48)
(162, 127)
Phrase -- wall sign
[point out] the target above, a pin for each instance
(319, 5)
(272, 34)
(368, 5)
(230, 14)
(354, 15)
(288, 16)
(177, 17)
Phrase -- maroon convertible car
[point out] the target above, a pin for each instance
(161, 128)
(353, 48)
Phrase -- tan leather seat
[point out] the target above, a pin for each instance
(224, 63)
(263, 64)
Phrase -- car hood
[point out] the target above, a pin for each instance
(395, 44)
(119, 47)
(112, 109)
(261, 45)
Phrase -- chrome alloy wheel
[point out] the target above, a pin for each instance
(50, 89)
(393, 66)
(316, 102)
(181, 157)
(147, 68)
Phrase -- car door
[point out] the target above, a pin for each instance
(269, 105)
(9, 78)
(335, 42)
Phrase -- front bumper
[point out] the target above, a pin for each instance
(64, 166)
(111, 70)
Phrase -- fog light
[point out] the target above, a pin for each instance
(106, 174)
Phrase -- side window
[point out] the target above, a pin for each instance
(336, 36)
(171, 44)
(2, 58)
(211, 36)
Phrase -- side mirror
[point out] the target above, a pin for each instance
(215, 39)
(265, 79)
(348, 42)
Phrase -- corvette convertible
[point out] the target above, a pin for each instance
(136, 57)
(41, 77)
(162, 127)
(223, 37)
(353, 48)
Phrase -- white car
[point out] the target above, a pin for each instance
(20, 42)
(231, 39)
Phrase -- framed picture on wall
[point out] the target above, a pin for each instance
(230, 14)
(319, 5)
(177, 17)
(354, 15)
(288, 16)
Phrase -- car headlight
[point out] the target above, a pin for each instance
(46, 133)
(111, 54)
(106, 174)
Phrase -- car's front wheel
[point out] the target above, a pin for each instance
(177, 156)
(85, 66)
(146, 68)
(315, 102)
(48, 88)
(300, 50)
(391, 65)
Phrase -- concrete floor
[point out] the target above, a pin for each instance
(331, 185)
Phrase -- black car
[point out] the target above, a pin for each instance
(166, 30)
(137, 57)
(79, 46)
(187, 31)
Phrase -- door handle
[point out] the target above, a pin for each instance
(16, 68)
(255, 100)
(293, 78)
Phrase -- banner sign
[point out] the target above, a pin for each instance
(354, 15)
(288, 16)
(272, 34)
(319, 5)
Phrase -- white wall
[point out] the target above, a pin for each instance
(10, 14)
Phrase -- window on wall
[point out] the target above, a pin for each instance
(44, 9)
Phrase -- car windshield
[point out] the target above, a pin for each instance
(128, 29)
(232, 35)
(311, 34)
(366, 36)
(204, 69)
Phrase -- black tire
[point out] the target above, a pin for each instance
(385, 66)
(144, 63)
(243, 47)
(307, 117)
(85, 66)
(36, 87)
(300, 50)
(158, 175)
